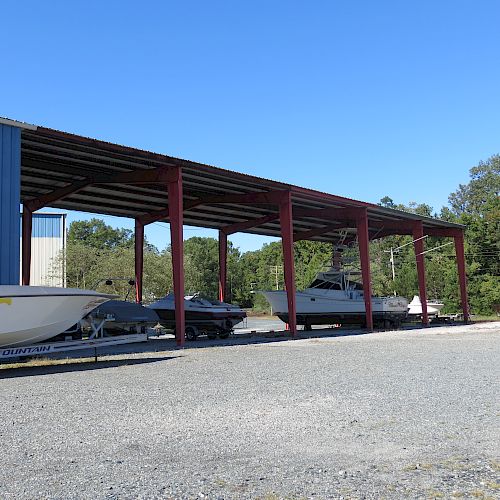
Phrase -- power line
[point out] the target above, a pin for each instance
(435, 248)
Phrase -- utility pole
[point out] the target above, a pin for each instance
(392, 265)
(397, 249)
(276, 270)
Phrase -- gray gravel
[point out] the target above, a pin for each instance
(395, 414)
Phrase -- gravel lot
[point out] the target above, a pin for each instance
(397, 414)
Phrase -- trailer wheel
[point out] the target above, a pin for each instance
(211, 335)
(191, 333)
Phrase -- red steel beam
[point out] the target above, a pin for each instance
(364, 254)
(451, 232)
(56, 195)
(154, 216)
(418, 237)
(139, 259)
(248, 224)
(222, 265)
(339, 214)
(176, 223)
(27, 225)
(462, 277)
(286, 221)
(155, 175)
(306, 235)
(269, 197)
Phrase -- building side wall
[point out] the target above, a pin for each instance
(48, 242)
(10, 199)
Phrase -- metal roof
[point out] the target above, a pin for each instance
(52, 159)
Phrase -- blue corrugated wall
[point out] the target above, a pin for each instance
(10, 199)
(46, 225)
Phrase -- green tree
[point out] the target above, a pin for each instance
(484, 185)
(96, 234)
(477, 206)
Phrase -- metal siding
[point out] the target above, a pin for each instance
(47, 242)
(46, 226)
(46, 268)
(10, 186)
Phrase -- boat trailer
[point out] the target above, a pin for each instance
(93, 341)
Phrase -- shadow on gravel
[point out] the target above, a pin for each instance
(80, 365)
(240, 339)
(161, 344)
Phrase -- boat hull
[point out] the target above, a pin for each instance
(323, 307)
(200, 313)
(35, 314)
(126, 317)
(415, 307)
(203, 319)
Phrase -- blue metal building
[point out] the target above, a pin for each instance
(10, 199)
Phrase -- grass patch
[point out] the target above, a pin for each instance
(480, 317)
(419, 466)
(45, 362)
(435, 494)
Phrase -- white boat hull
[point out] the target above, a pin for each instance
(415, 307)
(34, 314)
(316, 306)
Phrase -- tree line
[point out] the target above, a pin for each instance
(96, 251)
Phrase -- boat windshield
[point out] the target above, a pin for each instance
(335, 281)
(325, 285)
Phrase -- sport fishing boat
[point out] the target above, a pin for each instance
(31, 314)
(202, 315)
(334, 298)
(433, 307)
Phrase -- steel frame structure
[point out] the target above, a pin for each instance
(235, 202)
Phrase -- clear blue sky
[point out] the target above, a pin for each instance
(358, 98)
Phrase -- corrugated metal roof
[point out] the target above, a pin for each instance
(52, 159)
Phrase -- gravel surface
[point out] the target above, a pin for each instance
(393, 414)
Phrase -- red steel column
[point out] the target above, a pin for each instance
(418, 234)
(364, 255)
(462, 277)
(222, 265)
(286, 222)
(175, 208)
(139, 259)
(26, 249)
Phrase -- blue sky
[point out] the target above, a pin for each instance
(358, 98)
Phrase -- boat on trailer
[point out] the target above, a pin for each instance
(203, 316)
(433, 307)
(32, 314)
(125, 317)
(335, 298)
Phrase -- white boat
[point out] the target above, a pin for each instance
(334, 298)
(31, 314)
(433, 307)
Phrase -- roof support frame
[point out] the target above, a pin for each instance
(248, 224)
(156, 175)
(264, 197)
